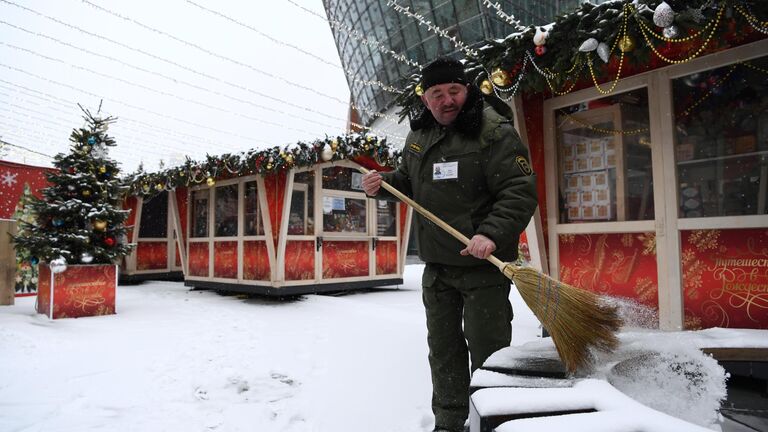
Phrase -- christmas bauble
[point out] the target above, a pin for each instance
(663, 15)
(34, 260)
(334, 145)
(86, 149)
(626, 44)
(540, 50)
(210, 181)
(289, 158)
(86, 258)
(500, 77)
(99, 224)
(419, 90)
(86, 192)
(159, 186)
(671, 32)
(109, 241)
(540, 38)
(57, 222)
(71, 188)
(91, 140)
(603, 52)
(102, 169)
(588, 45)
(58, 265)
(327, 153)
(486, 87)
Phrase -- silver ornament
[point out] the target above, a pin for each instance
(86, 258)
(671, 32)
(604, 52)
(327, 153)
(663, 15)
(588, 45)
(58, 265)
(540, 38)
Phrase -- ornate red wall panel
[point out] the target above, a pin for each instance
(255, 260)
(198, 259)
(275, 193)
(152, 256)
(622, 265)
(225, 259)
(343, 259)
(300, 260)
(386, 257)
(725, 278)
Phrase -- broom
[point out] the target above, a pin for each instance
(576, 319)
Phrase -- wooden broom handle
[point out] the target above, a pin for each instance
(429, 215)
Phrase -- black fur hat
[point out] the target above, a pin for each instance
(442, 70)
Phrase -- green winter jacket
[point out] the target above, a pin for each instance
(493, 193)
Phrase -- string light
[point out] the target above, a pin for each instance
(688, 38)
(433, 28)
(695, 54)
(236, 62)
(294, 47)
(353, 33)
(509, 19)
(761, 26)
(622, 34)
(6, 143)
(603, 130)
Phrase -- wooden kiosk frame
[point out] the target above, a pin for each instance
(668, 239)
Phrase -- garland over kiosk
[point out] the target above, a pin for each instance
(277, 222)
(647, 123)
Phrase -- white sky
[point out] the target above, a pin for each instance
(192, 121)
(174, 359)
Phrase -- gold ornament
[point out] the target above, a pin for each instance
(369, 138)
(210, 181)
(145, 187)
(334, 145)
(102, 169)
(269, 166)
(99, 224)
(159, 186)
(289, 158)
(86, 192)
(626, 44)
(500, 77)
(419, 90)
(486, 87)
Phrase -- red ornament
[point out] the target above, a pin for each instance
(540, 50)
(109, 241)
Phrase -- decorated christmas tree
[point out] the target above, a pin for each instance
(79, 219)
(26, 272)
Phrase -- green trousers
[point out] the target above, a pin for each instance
(478, 298)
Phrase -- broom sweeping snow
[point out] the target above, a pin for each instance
(576, 319)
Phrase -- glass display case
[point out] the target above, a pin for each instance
(225, 216)
(721, 140)
(199, 213)
(300, 218)
(604, 160)
(344, 203)
(254, 225)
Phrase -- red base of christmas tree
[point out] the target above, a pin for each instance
(79, 291)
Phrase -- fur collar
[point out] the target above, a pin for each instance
(468, 122)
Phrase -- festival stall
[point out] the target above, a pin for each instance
(276, 222)
(647, 124)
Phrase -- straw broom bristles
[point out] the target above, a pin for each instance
(575, 318)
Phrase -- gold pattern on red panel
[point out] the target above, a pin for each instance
(692, 270)
(198, 259)
(649, 243)
(152, 256)
(345, 259)
(255, 260)
(704, 240)
(300, 260)
(627, 240)
(225, 259)
(646, 290)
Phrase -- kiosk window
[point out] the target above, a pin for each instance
(344, 215)
(154, 217)
(226, 211)
(343, 179)
(200, 213)
(386, 218)
(300, 220)
(252, 217)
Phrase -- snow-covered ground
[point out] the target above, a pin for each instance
(175, 359)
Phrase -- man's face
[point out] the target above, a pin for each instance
(444, 101)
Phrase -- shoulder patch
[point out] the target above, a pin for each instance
(525, 167)
(415, 148)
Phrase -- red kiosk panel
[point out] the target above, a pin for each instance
(386, 257)
(300, 260)
(152, 256)
(255, 260)
(198, 259)
(343, 259)
(225, 259)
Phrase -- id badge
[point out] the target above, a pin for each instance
(445, 171)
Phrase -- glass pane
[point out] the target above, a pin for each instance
(200, 213)
(721, 140)
(154, 217)
(386, 218)
(226, 211)
(344, 179)
(300, 218)
(604, 160)
(252, 217)
(344, 215)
